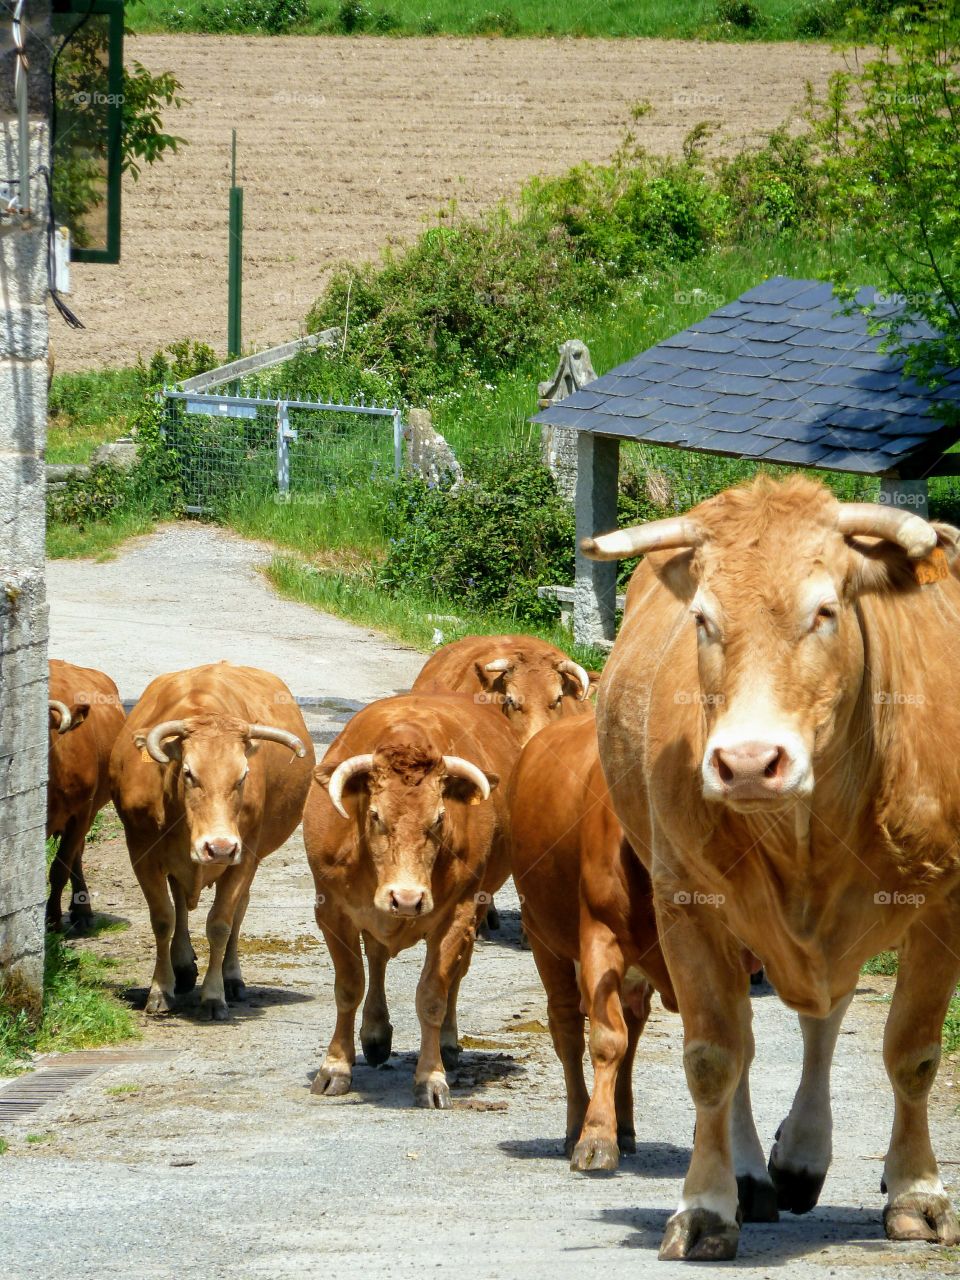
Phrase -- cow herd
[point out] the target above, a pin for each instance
(769, 779)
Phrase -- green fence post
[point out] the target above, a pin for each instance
(234, 260)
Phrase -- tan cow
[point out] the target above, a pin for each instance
(85, 718)
(406, 833)
(597, 951)
(778, 725)
(208, 778)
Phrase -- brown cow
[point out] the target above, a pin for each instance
(777, 724)
(533, 684)
(209, 778)
(602, 943)
(85, 718)
(406, 833)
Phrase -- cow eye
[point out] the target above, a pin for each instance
(557, 701)
(438, 821)
(188, 775)
(241, 780)
(825, 617)
(375, 818)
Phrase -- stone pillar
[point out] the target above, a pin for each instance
(559, 444)
(23, 608)
(905, 495)
(595, 588)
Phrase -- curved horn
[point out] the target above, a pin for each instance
(658, 535)
(341, 775)
(499, 664)
(571, 668)
(457, 767)
(65, 717)
(873, 520)
(269, 733)
(166, 729)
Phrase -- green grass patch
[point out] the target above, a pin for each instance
(79, 1010)
(99, 539)
(884, 964)
(951, 1026)
(88, 408)
(702, 19)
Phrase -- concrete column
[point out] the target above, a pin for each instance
(595, 588)
(23, 608)
(906, 495)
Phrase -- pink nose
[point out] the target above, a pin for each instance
(751, 767)
(406, 902)
(219, 850)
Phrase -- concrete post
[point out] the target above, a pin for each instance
(907, 495)
(595, 588)
(23, 608)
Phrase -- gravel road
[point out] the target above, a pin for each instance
(217, 1162)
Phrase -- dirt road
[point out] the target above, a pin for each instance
(217, 1162)
(346, 145)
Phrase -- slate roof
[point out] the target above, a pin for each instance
(777, 375)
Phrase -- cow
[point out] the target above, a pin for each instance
(532, 682)
(777, 724)
(600, 941)
(209, 776)
(85, 716)
(407, 836)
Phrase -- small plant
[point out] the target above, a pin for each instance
(500, 23)
(745, 15)
(122, 1090)
(885, 964)
(35, 1139)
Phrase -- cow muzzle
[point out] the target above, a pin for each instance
(404, 900)
(756, 773)
(216, 849)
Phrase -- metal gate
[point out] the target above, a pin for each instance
(230, 446)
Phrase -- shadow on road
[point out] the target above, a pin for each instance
(258, 1000)
(652, 1159)
(391, 1085)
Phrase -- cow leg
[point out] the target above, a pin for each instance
(636, 1010)
(917, 1207)
(232, 887)
(233, 985)
(801, 1153)
(182, 954)
(756, 1192)
(153, 882)
(63, 868)
(601, 983)
(565, 1017)
(711, 987)
(376, 1030)
(81, 907)
(450, 1032)
(343, 941)
(445, 955)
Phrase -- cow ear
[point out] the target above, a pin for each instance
(880, 566)
(460, 788)
(78, 713)
(251, 747)
(322, 774)
(487, 678)
(677, 570)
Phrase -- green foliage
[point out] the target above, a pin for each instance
(271, 17)
(488, 544)
(951, 1026)
(885, 964)
(742, 14)
(144, 98)
(175, 362)
(890, 137)
(78, 1010)
(777, 187)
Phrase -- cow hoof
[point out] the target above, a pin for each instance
(493, 917)
(595, 1155)
(433, 1094)
(332, 1082)
(186, 978)
(569, 1144)
(81, 925)
(214, 1010)
(758, 1199)
(798, 1190)
(377, 1051)
(159, 1001)
(922, 1215)
(450, 1056)
(699, 1235)
(627, 1142)
(234, 989)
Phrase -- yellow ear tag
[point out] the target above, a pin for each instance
(145, 755)
(934, 568)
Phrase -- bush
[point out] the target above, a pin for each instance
(272, 17)
(742, 14)
(502, 534)
(775, 188)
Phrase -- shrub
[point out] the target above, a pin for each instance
(777, 187)
(499, 23)
(272, 17)
(742, 14)
(490, 544)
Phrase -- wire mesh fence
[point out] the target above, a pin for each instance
(233, 447)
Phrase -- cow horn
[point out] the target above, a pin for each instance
(341, 776)
(269, 733)
(571, 668)
(457, 767)
(65, 717)
(658, 535)
(499, 664)
(873, 520)
(166, 729)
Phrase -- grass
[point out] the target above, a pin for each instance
(99, 539)
(774, 19)
(79, 1011)
(886, 964)
(88, 408)
(411, 619)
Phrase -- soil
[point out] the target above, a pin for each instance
(346, 146)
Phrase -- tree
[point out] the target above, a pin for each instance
(890, 134)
